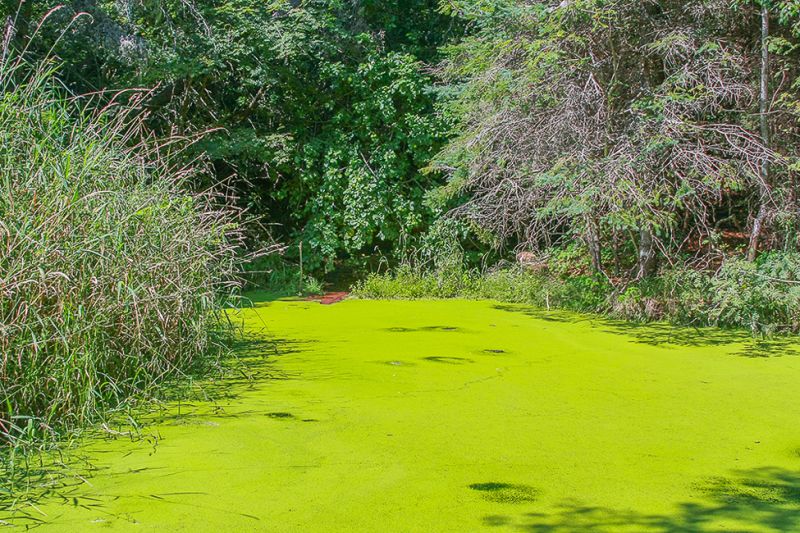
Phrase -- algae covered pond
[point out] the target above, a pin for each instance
(464, 416)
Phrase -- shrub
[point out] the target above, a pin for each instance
(583, 293)
(110, 273)
(763, 296)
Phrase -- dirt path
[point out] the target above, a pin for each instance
(329, 298)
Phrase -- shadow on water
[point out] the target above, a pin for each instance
(61, 476)
(506, 492)
(448, 360)
(757, 499)
(659, 334)
(251, 363)
(562, 317)
(663, 334)
(423, 329)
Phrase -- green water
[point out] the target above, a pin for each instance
(465, 416)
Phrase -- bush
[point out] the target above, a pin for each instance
(763, 297)
(583, 293)
(110, 273)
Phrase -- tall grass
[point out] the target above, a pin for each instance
(110, 272)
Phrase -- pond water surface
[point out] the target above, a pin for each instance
(463, 416)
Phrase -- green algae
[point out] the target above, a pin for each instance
(463, 416)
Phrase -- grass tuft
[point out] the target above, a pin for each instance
(111, 274)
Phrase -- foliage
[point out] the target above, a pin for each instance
(763, 297)
(111, 273)
(319, 111)
(632, 126)
(583, 293)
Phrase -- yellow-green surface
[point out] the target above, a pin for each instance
(467, 416)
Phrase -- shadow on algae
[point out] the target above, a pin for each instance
(664, 334)
(61, 476)
(762, 499)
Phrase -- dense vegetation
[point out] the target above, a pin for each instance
(641, 154)
(632, 158)
(651, 132)
(111, 269)
(760, 296)
(605, 120)
(319, 112)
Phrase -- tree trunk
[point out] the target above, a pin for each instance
(763, 105)
(616, 240)
(593, 244)
(647, 253)
(758, 224)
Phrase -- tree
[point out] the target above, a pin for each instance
(613, 121)
(319, 112)
(764, 108)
